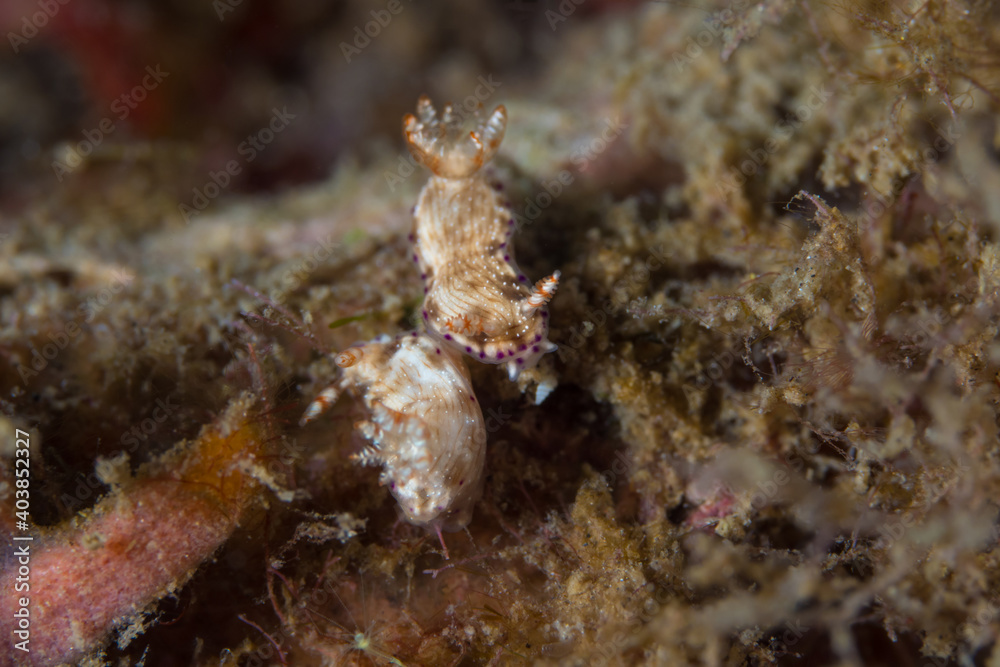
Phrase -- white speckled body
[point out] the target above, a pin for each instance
(426, 428)
(476, 298)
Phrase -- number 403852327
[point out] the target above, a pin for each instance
(22, 464)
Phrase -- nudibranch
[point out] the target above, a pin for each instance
(426, 428)
(476, 298)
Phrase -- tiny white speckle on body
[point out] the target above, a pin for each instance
(425, 427)
(476, 298)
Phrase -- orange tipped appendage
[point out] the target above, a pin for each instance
(442, 146)
(543, 291)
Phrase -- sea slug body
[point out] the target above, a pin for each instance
(426, 428)
(476, 298)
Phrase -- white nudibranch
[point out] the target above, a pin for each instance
(476, 298)
(425, 427)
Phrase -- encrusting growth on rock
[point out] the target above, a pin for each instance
(107, 568)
